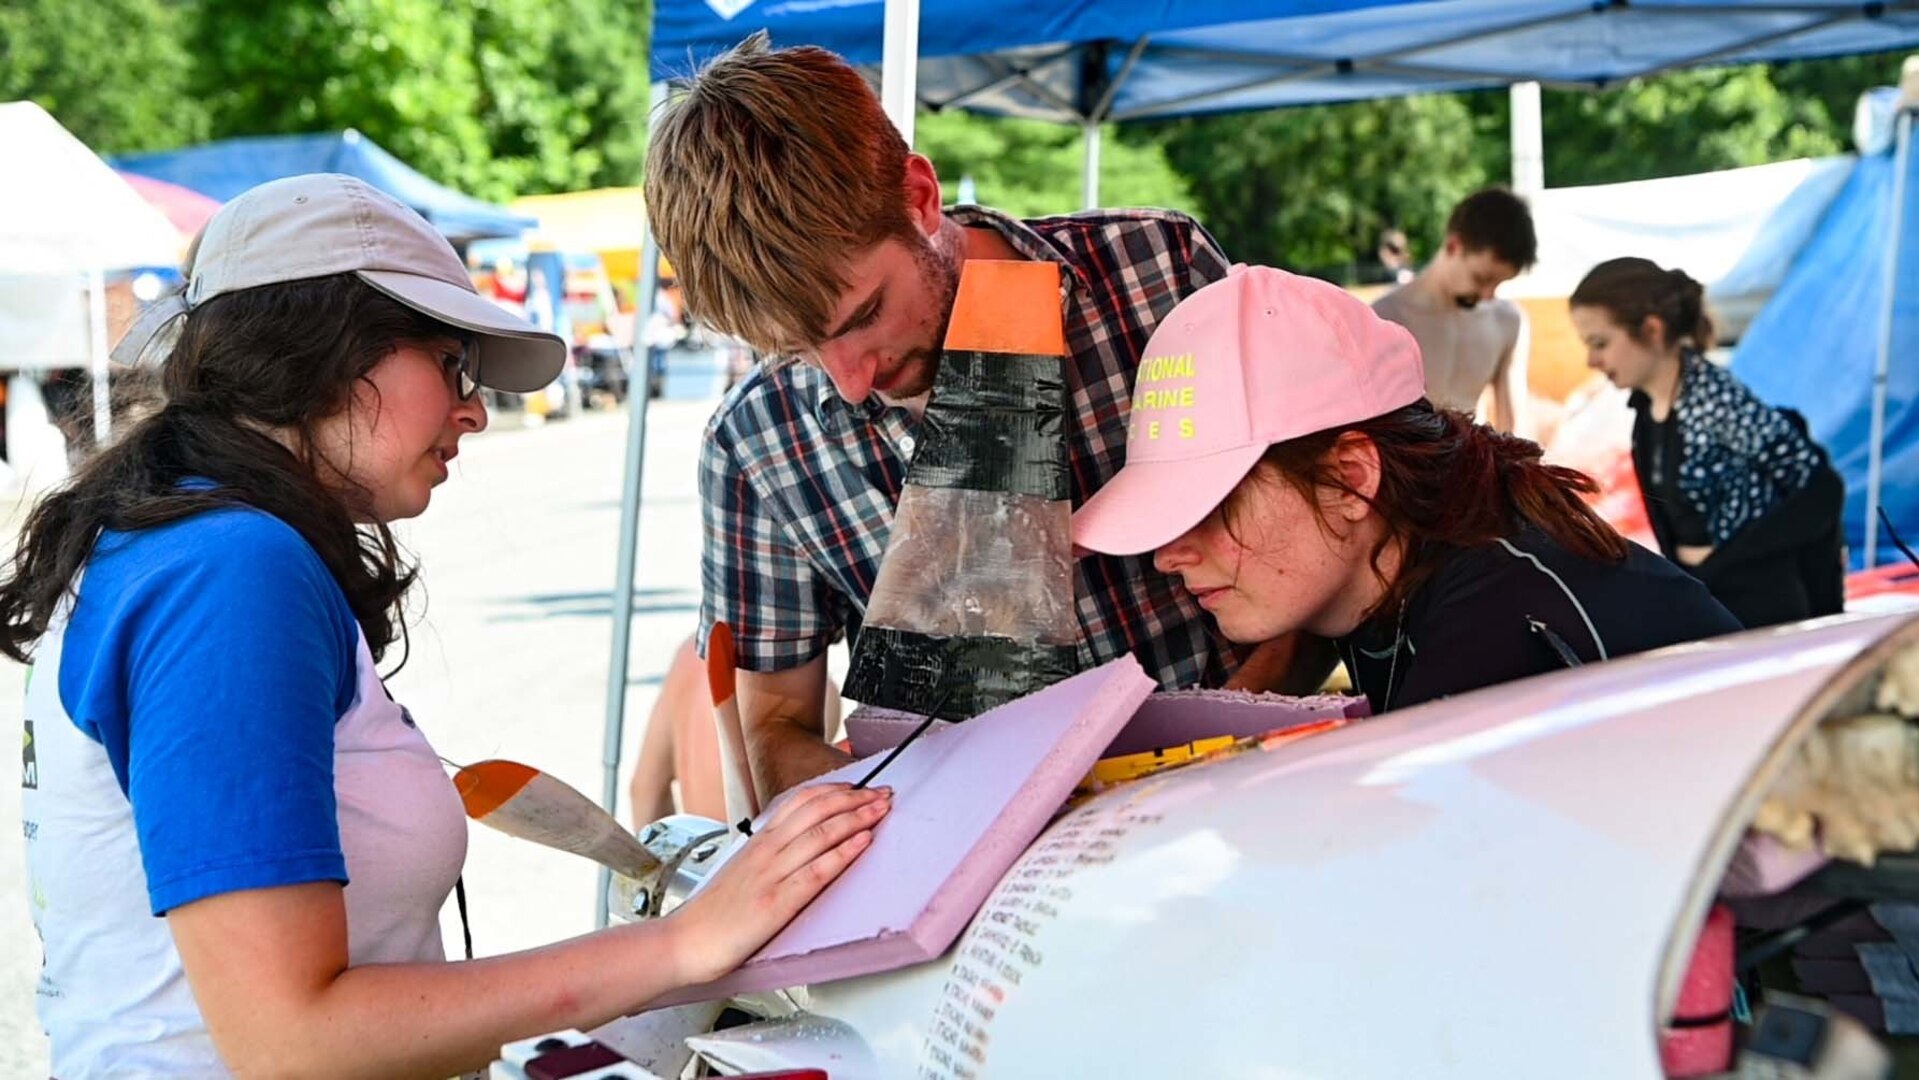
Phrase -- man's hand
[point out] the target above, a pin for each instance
(783, 713)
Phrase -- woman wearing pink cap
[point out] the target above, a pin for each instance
(1283, 460)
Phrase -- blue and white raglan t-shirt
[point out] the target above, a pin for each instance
(205, 719)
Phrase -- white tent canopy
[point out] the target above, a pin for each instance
(63, 210)
(66, 218)
(1735, 230)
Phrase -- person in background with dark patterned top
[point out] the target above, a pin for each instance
(800, 222)
(1735, 489)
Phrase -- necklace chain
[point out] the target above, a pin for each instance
(1392, 670)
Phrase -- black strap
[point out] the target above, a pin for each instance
(1556, 643)
(466, 928)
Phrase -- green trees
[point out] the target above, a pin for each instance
(1029, 168)
(1311, 188)
(1690, 121)
(494, 97)
(115, 72)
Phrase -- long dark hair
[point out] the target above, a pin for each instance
(1629, 290)
(275, 357)
(1445, 483)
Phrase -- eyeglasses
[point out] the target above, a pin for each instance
(465, 367)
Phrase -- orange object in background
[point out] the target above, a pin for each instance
(1896, 579)
(1621, 504)
(1556, 360)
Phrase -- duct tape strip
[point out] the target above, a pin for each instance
(900, 669)
(995, 422)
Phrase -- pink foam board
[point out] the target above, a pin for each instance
(872, 729)
(968, 800)
(1167, 719)
(1182, 716)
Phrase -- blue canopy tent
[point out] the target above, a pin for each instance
(221, 170)
(1090, 61)
(1133, 59)
(1093, 61)
(1824, 344)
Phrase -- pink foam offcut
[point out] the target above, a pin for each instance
(968, 800)
(1705, 993)
(1182, 716)
(1166, 719)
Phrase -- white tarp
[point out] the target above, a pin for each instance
(1736, 230)
(65, 219)
(65, 215)
(63, 210)
(44, 322)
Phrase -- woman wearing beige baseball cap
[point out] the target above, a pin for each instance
(208, 737)
(1283, 460)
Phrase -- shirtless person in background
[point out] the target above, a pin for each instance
(1473, 344)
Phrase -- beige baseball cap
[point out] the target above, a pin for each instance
(322, 224)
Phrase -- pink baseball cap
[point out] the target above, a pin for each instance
(1257, 358)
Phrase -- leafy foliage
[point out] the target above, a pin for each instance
(494, 97)
(1689, 121)
(115, 72)
(402, 72)
(1029, 168)
(1311, 188)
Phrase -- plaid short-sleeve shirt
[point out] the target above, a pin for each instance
(798, 485)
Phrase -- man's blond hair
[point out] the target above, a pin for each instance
(769, 170)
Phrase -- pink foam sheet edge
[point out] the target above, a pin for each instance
(968, 800)
(1182, 716)
(1165, 719)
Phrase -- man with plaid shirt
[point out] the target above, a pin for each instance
(798, 221)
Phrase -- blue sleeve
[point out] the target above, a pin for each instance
(211, 658)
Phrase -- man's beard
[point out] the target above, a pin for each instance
(1466, 303)
(940, 275)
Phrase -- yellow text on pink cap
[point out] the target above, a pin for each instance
(1165, 397)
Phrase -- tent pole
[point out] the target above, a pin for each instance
(1883, 364)
(899, 64)
(1089, 174)
(639, 388)
(1529, 141)
(97, 342)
